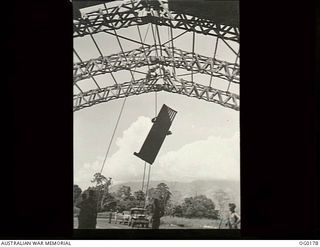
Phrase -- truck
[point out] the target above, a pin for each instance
(138, 216)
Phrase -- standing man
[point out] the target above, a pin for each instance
(88, 211)
(234, 218)
(110, 215)
(81, 214)
(116, 216)
(156, 214)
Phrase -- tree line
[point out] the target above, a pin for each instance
(124, 199)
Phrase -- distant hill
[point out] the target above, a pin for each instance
(181, 190)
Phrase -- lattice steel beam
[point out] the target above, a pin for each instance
(140, 13)
(170, 84)
(145, 56)
(126, 89)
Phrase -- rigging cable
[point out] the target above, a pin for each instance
(144, 174)
(123, 104)
(114, 131)
(148, 181)
(193, 57)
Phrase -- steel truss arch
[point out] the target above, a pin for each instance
(145, 56)
(162, 56)
(139, 13)
(171, 84)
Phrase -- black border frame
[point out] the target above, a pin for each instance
(279, 124)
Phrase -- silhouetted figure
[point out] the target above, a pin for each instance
(80, 216)
(88, 211)
(110, 215)
(116, 216)
(234, 218)
(156, 214)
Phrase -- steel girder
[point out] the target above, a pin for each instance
(143, 12)
(170, 84)
(144, 56)
(139, 13)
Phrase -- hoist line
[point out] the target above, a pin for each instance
(158, 34)
(147, 186)
(144, 174)
(148, 181)
(155, 43)
(193, 44)
(123, 104)
(114, 131)
(157, 29)
(154, 39)
(156, 104)
(143, 43)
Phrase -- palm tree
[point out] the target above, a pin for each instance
(102, 186)
(99, 179)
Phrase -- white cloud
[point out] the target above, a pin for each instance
(216, 157)
(213, 158)
(122, 165)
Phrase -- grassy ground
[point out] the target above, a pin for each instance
(168, 222)
(190, 223)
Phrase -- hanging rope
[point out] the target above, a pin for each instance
(144, 174)
(155, 44)
(148, 181)
(147, 185)
(156, 104)
(114, 131)
(124, 101)
(193, 44)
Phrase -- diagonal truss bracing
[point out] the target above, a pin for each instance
(171, 84)
(162, 56)
(139, 13)
(145, 56)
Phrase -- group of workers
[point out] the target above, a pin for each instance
(87, 218)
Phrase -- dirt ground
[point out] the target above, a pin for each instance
(103, 223)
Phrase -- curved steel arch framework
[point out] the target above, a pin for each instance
(160, 60)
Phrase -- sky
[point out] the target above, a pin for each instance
(205, 142)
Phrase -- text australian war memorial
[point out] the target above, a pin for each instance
(156, 114)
